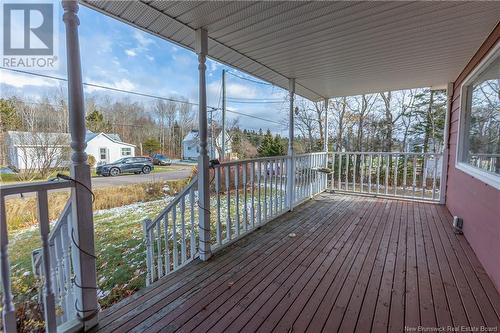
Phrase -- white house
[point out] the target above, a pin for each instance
(191, 148)
(107, 148)
(28, 150)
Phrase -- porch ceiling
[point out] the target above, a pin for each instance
(331, 48)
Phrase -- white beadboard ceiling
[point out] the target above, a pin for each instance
(330, 48)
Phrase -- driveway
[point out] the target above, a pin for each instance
(140, 178)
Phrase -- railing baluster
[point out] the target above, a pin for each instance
(167, 244)
(332, 182)
(379, 164)
(434, 175)
(396, 159)
(362, 172)
(424, 175)
(160, 253)
(276, 170)
(281, 196)
(245, 197)
(252, 182)
(370, 164)
(339, 172)
(265, 191)
(228, 203)
(49, 301)
(354, 161)
(218, 227)
(175, 250)
(405, 173)
(183, 230)
(270, 171)
(61, 288)
(8, 310)
(387, 166)
(68, 284)
(259, 201)
(193, 237)
(414, 183)
(348, 159)
(149, 259)
(237, 201)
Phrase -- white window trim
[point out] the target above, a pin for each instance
(129, 149)
(484, 176)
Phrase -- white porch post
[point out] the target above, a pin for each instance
(291, 166)
(203, 173)
(445, 158)
(325, 141)
(81, 218)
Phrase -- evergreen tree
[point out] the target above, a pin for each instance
(96, 122)
(271, 146)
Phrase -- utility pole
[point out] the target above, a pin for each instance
(223, 153)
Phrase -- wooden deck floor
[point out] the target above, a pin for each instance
(338, 263)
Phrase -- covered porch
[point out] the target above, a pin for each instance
(337, 263)
(326, 241)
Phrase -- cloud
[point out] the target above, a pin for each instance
(21, 81)
(143, 39)
(237, 90)
(131, 52)
(122, 84)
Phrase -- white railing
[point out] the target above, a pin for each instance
(310, 178)
(247, 194)
(62, 273)
(488, 162)
(55, 268)
(172, 237)
(414, 176)
(244, 195)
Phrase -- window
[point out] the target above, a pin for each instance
(478, 149)
(103, 154)
(126, 151)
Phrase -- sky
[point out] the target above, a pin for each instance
(119, 56)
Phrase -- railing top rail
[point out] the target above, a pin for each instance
(248, 160)
(34, 187)
(484, 154)
(309, 154)
(385, 153)
(175, 201)
(60, 221)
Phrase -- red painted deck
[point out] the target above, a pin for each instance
(338, 263)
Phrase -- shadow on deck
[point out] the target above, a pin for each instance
(338, 263)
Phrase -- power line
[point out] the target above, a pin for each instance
(134, 93)
(105, 87)
(247, 79)
(256, 102)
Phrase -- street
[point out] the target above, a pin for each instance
(128, 179)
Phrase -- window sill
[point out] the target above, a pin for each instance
(485, 177)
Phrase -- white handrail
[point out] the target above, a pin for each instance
(408, 175)
(173, 228)
(54, 264)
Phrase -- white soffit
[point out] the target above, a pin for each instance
(330, 48)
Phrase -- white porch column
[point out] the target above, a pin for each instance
(81, 218)
(203, 172)
(446, 151)
(325, 141)
(291, 167)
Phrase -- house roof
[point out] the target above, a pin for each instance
(111, 136)
(20, 139)
(331, 48)
(193, 135)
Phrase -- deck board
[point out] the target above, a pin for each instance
(356, 264)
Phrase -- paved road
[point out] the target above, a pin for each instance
(128, 179)
(141, 178)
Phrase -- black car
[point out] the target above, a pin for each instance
(159, 159)
(126, 165)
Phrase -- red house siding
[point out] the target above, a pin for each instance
(469, 198)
